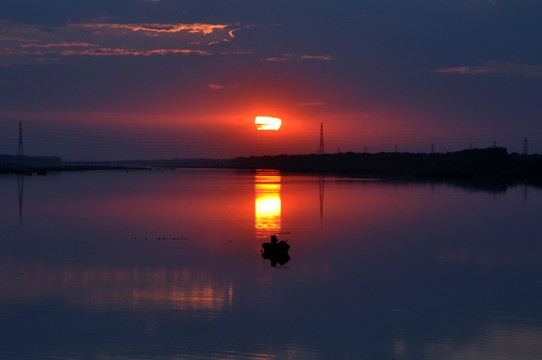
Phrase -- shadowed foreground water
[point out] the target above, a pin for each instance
(167, 265)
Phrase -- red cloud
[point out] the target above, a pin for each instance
(153, 29)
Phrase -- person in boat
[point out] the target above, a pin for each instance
(276, 251)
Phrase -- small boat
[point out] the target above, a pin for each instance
(276, 251)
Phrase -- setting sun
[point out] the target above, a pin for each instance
(267, 123)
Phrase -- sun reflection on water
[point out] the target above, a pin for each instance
(267, 204)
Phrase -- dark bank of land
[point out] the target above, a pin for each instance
(40, 165)
(490, 168)
(471, 164)
(475, 163)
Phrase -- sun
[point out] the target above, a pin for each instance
(267, 123)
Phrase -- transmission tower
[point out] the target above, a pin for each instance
(20, 154)
(525, 146)
(321, 147)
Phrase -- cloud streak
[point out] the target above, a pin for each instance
(151, 29)
(62, 45)
(495, 67)
(221, 87)
(84, 49)
(27, 43)
(292, 57)
(310, 104)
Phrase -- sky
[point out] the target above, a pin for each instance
(155, 79)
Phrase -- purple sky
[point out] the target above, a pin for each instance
(128, 79)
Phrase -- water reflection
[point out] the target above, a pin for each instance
(401, 271)
(505, 339)
(20, 193)
(321, 185)
(267, 203)
(120, 287)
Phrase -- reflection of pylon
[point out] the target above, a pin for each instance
(321, 147)
(20, 190)
(20, 155)
(321, 183)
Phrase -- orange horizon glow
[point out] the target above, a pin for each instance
(267, 123)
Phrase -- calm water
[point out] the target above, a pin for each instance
(167, 265)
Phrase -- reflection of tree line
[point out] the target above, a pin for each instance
(487, 163)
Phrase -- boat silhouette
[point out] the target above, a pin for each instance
(276, 251)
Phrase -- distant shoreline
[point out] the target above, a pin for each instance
(489, 163)
(470, 164)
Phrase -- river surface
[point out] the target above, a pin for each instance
(167, 264)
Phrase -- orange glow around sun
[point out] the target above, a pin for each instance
(267, 123)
